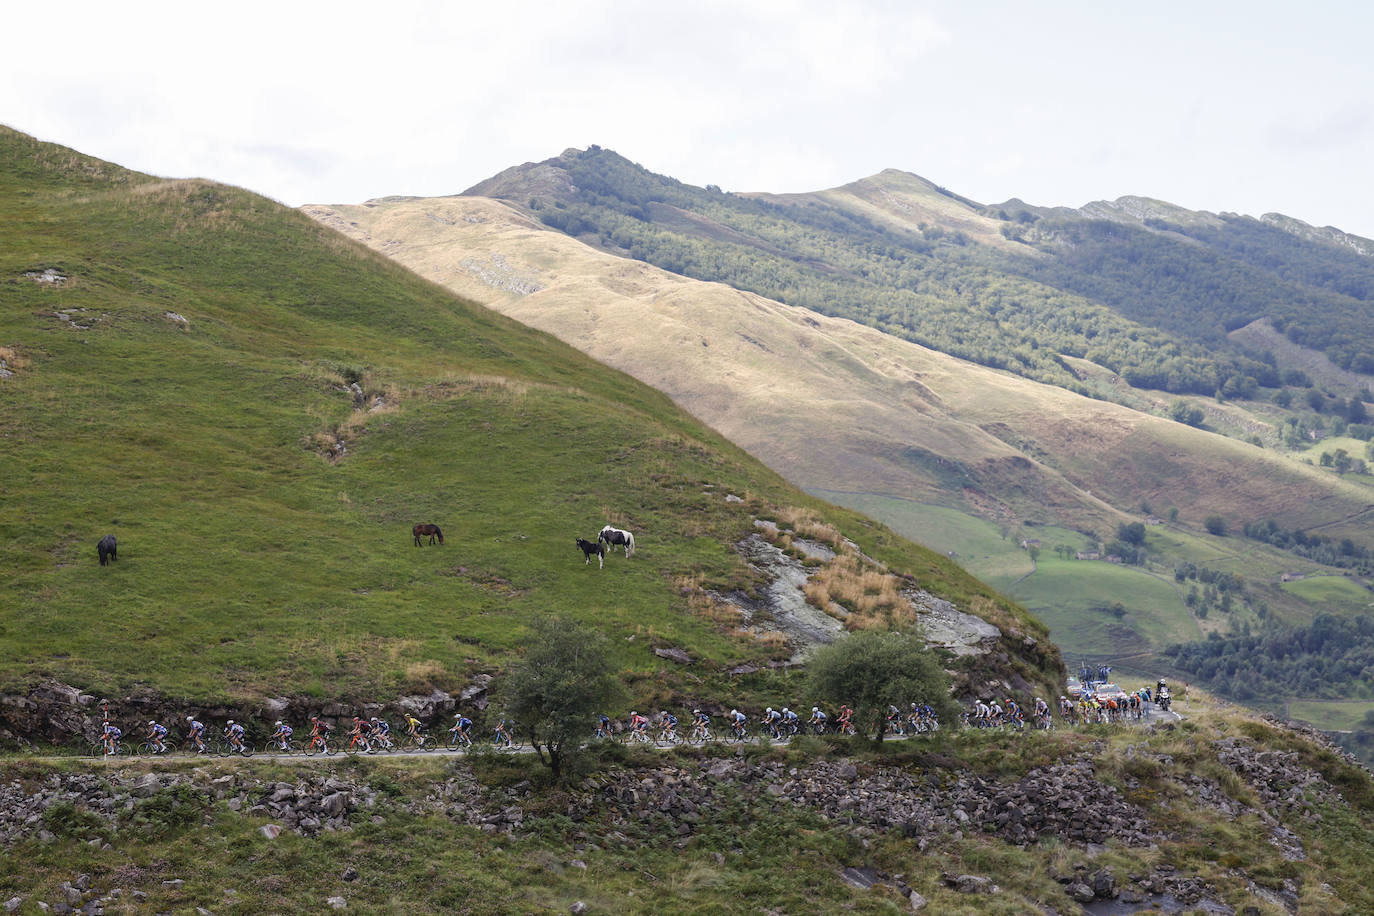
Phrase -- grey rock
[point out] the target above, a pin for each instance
(1081, 892)
(13, 904)
(270, 831)
(578, 908)
(917, 902)
(337, 903)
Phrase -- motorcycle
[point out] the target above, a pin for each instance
(1162, 699)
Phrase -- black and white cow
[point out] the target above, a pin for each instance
(615, 537)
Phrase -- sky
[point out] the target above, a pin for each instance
(1247, 107)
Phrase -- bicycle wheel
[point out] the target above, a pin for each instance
(246, 750)
(122, 750)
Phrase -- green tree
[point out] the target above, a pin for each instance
(874, 669)
(1215, 524)
(553, 693)
(1132, 533)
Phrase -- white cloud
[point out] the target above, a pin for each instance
(343, 101)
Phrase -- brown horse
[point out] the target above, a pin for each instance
(430, 531)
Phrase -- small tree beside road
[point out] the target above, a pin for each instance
(553, 694)
(874, 669)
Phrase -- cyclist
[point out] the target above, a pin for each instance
(894, 719)
(197, 735)
(413, 729)
(1014, 716)
(282, 735)
(233, 731)
(639, 727)
(843, 722)
(996, 715)
(109, 737)
(982, 713)
(459, 731)
(701, 725)
(319, 732)
(1042, 713)
(667, 726)
(737, 720)
(157, 736)
(817, 720)
(503, 737)
(360, 734)
(603, 726)
(773, 719)
(790, 721)
(381, 729)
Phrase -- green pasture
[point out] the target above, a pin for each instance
(1070, 596)
(187, 389)
(1332, 590)
(1331, 715)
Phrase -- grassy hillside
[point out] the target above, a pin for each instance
(260, 409)
(961, 458)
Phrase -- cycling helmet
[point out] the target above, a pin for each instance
(152, 722)
(696, 712)
(633, 714)
(769, 709)
(815, 709)
(457, 715)
(231, 722)
(190, 718)
(785, 709)
(314, 718)
(279, 721)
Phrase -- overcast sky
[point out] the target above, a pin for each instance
(1248, 107)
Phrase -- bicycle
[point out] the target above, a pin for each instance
(226, 747)
(458, 738)
(738, 733)
(151, 748)
(275, 747)
(318, 744)
(667, 737)
(100, 748)
(502, 739)
(357, 744)
(700, 734)
(418, 742)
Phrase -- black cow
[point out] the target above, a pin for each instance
(106, 549)
(593, 547)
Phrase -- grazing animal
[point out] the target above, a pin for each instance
(593, 547)
(106, 549)
(616, 537)
(432, 531)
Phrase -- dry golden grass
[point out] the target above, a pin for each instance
(11, 359)
(727, 617)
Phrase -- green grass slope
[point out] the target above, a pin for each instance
(187, 388)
